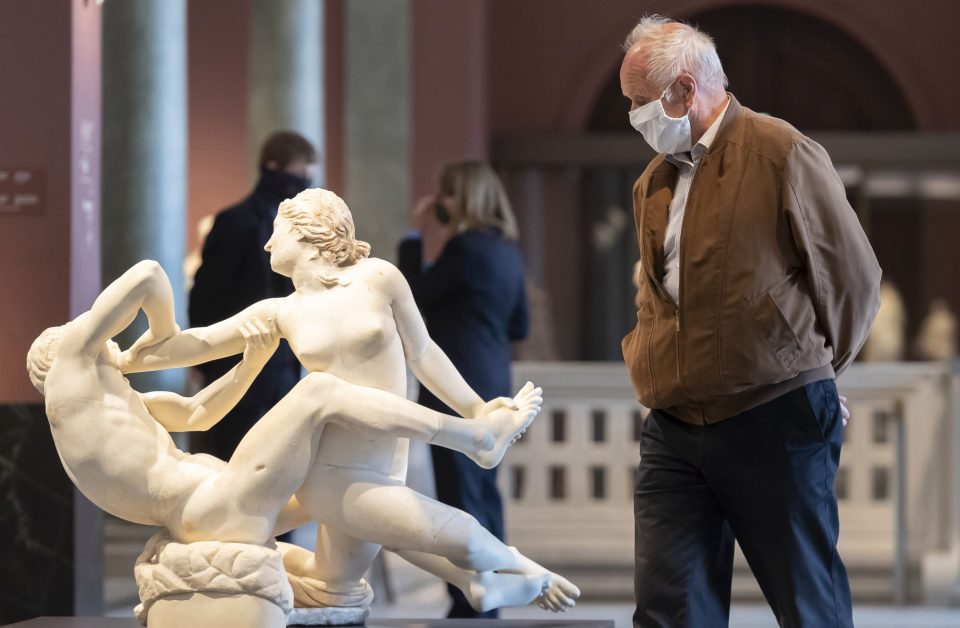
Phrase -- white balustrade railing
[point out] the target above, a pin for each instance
(568, 484)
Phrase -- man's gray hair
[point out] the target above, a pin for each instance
(671, 51)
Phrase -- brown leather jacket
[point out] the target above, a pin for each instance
(778, 283)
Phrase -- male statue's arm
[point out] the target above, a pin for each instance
(144, 286)
(842, 270)
(205, 409)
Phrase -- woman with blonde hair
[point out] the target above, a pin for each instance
(473, 300)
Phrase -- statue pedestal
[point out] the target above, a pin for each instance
(218, 610)
(230, 585)
(234, 585)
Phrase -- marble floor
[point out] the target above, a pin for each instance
(414, 594)
(417, 595)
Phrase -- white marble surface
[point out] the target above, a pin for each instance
(326, 616)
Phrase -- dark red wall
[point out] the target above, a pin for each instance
(549, 58)
(35, 44)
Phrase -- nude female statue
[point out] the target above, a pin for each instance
(354, 317)
(114, 444)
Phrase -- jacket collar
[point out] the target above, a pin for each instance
(273, 187)
(733, 114)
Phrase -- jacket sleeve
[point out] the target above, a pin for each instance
(519, 325)
(410, 257)
(447, 275)
(214, 285)
(629, 343)
(842, 270)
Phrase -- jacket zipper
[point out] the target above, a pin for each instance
(680, 255)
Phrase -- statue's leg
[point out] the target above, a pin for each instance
(333, 576)
(276, 455)
(242, 502)
(375, 413)
(484, 590)
(381, 510)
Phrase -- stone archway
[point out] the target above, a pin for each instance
(791, 65)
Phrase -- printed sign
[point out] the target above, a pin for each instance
(21, 191)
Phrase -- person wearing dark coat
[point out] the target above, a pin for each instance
(235, 273)
(474, 303)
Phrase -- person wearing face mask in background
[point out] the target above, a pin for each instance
(467, 278)
(758, 287)
(235, 273)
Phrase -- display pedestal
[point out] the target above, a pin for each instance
(118, 622)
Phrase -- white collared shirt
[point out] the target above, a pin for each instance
(687, 163)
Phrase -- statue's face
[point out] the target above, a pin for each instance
(285, 248)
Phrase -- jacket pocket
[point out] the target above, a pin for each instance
(759, 346)
(636, 354)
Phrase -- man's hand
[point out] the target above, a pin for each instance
(844, 410)
(262, 340)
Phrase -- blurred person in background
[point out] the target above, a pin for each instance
(467, 278)
(235, 273)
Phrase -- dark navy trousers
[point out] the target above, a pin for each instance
(765, 478)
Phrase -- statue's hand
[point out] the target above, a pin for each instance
(148, 339)
(496, 404)
(262, 339)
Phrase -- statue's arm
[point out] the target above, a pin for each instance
(145, 286)
(428, 362)
(205, 409)
(198, 344)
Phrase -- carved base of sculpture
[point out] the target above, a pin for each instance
(216, 610)
(235, 585)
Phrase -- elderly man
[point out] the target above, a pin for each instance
(758, 287)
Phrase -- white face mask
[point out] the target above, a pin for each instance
(663, 133)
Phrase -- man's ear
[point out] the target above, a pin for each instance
(271, 164)
(687, 88)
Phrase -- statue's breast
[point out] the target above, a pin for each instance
(340, 327)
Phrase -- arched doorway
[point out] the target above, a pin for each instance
(792, 66)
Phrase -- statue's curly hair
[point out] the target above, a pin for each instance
(321, 218)
(41, 355)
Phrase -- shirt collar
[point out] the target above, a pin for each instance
(703, 145)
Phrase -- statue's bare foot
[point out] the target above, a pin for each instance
(507, 424)
(489, 590)
(558, 595)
